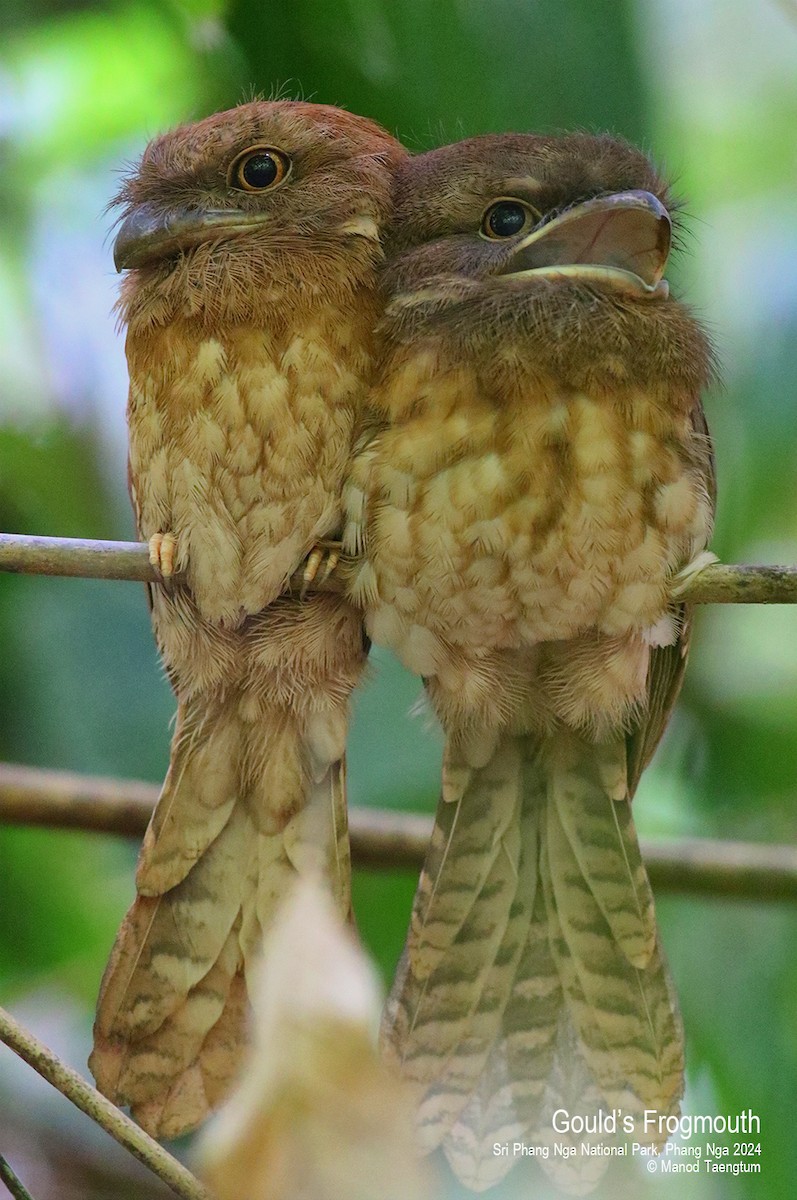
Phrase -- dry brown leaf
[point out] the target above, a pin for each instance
(317, 1115)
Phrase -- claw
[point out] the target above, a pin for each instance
(320, 564)
(311, 565)
(333, 558)
(685, 576)
(162, 552)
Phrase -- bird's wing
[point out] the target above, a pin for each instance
(668, 663)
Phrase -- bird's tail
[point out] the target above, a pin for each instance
(533, 979)
(254, 794)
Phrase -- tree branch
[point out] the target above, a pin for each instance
(76, 557)
(715, 584)
(738, 584)
(84, 559)
(88, 1100)
(14, 1184)
(390, 840)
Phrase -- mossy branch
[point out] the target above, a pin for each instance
(102, 1111)
(12, 1181)
(715, 584)
(390, 840)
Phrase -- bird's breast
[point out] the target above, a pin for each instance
(238, 443)
(534, 520)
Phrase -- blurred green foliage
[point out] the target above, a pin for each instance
(710, 89)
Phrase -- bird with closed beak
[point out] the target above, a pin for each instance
(541, 474)
(250, 242)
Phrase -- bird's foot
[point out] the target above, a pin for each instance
(320, 565)
(681, 581)
(162, 554)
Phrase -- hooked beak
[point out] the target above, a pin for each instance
(149, 235)
(621, 240)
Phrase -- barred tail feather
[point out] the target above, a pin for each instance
(172, 1014)
(462, 944)
(609, 957)
(550, 989)
(198, 795)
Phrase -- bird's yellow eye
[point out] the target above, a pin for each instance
(506, 218)
(258, 169)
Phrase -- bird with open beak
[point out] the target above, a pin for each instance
(250, 242)
(542, 473)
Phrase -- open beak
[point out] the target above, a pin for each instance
(621, 240)
(150, 235)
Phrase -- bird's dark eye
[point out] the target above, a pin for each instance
(506, 218)
(258, 169)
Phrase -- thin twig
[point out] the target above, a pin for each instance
(84, 559)
(12, 1181)
(715, 584)
(390, 840)
(62, 800)
(88, 1100)
(76, 557)
(737, 584)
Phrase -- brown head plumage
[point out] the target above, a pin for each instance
(264, 205)
(559, 241)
